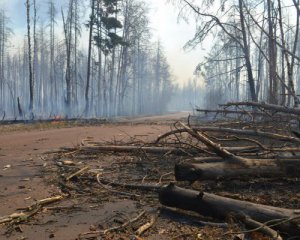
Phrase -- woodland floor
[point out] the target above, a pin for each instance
(30, 170)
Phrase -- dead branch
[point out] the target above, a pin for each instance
(260, 227)
(124, 225)
(234, 131)
(103, 232)
(215, 147)
(159, 150)
(267, 106)
(153, 150)
(47, 201)
(77, 173)
(29, 211)
(162, 176)
(143, 187)
(238, 112)
(115, 191)
(148, 225)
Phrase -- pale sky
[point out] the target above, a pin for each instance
(173, 34)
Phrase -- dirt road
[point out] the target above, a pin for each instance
(22, 161)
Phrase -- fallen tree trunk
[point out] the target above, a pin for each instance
(271, 107)
(238, 112)
(159, 150)
(234, 131)
(221, 207)
(265, 168)
(154, 150)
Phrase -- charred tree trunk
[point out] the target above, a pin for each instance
(221, 207)
(29, 58)
(273, 84)
(87, 103)
(264, 168)
(247, 54)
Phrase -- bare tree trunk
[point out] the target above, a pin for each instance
(296, 100)
(247, 54)
(87, 104)
(290, 65)
(111, 82)
(2, 51)
(105, 109)
(35, 52)
(273, 88)
(260, 66)
(29, 58)
(100, 83)
(68, 41)
(75, 70)
(53, 82)
(237, 74)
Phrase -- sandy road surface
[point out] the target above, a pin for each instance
(21, 162)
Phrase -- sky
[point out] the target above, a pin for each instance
(171, 32)
(174, 32)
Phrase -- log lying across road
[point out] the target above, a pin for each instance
(221, 207)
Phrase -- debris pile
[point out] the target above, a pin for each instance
(181, 158)
(216, 180)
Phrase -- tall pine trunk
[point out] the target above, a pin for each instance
(29, 59)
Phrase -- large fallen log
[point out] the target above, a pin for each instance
(256, 133)
(266, 168)
(221, 207)
(267, 106)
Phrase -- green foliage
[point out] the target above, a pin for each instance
(109, 43)
(116, 39)
(110, 2)
(111, 6)
(108, 23)
(111, 23)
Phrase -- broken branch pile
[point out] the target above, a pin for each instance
(230, 162)
(254, 112)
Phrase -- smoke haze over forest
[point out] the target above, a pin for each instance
(165, 23)
(106, 58)
(140, 75)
